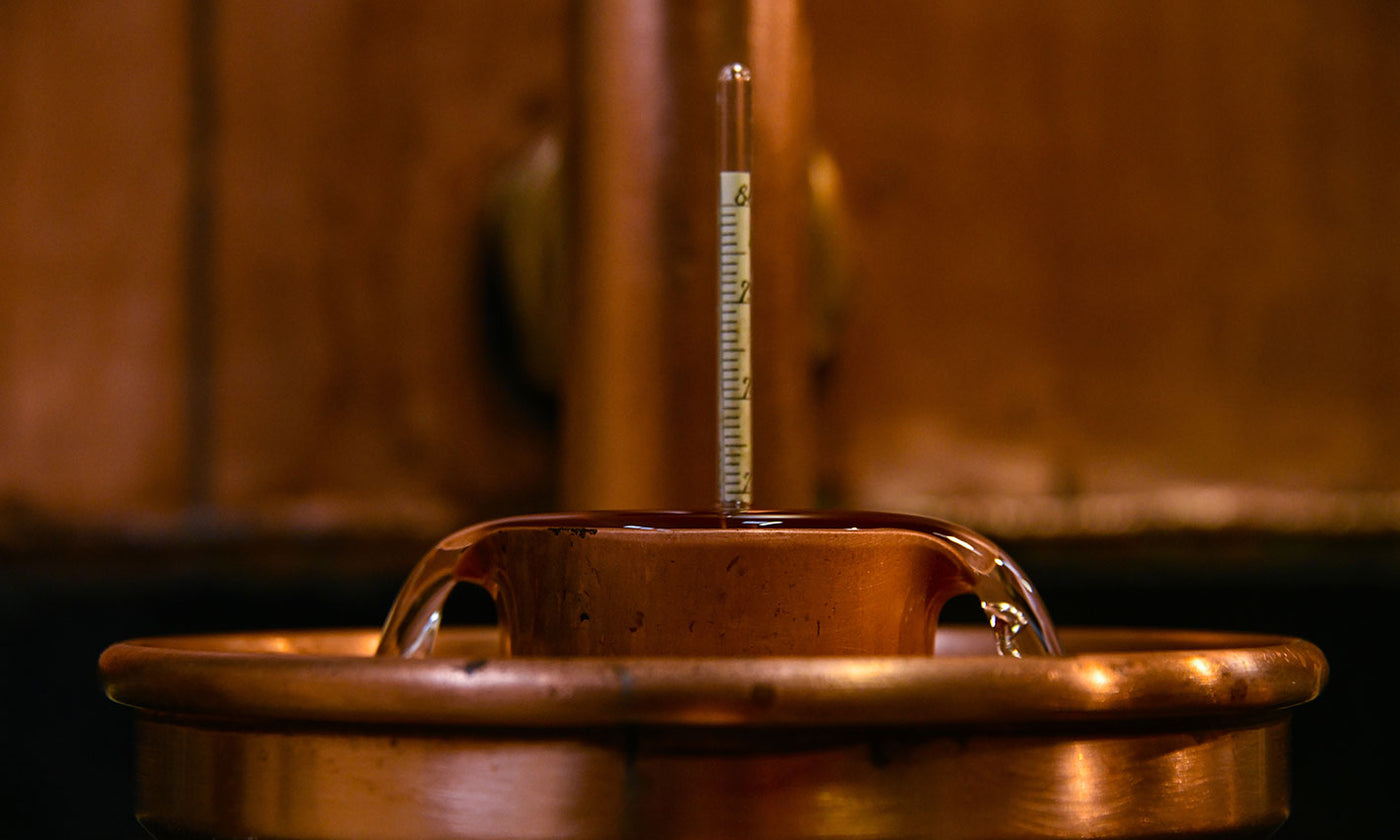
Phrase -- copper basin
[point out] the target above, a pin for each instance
(1135, 733)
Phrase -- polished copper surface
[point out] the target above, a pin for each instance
(719, 592)
(706, 583)
(305, 735)
(716, 591)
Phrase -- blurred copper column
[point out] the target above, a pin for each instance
(639, 374)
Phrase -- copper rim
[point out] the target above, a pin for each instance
(330, 677)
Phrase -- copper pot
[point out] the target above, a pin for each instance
(1135, 733)
(755, 583)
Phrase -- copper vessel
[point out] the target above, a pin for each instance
(1135, 733)
(755, 583)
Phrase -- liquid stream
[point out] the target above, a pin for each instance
(1017, 617)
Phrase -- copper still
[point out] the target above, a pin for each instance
(730, 714)
(1136, 733)
(817, 700)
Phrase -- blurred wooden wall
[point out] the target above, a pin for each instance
(1146, 253)
(1104, 250)
(93, 176)
(239, 266)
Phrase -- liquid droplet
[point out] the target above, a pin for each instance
(1007, 623)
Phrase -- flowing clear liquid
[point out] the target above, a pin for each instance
(1019, 620)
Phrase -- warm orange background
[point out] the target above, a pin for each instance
(1143, 252)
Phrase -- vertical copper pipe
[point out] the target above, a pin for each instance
(784, 425)
(614, 385)
(638, 391)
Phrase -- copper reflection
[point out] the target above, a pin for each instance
(1136, 733)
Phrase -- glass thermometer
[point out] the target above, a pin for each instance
(735, 291)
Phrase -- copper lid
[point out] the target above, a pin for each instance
(331, 676)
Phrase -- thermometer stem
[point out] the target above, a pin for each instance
(735, 290)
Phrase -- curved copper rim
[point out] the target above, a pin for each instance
(329, 677)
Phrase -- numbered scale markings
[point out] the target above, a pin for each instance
(735, 358)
